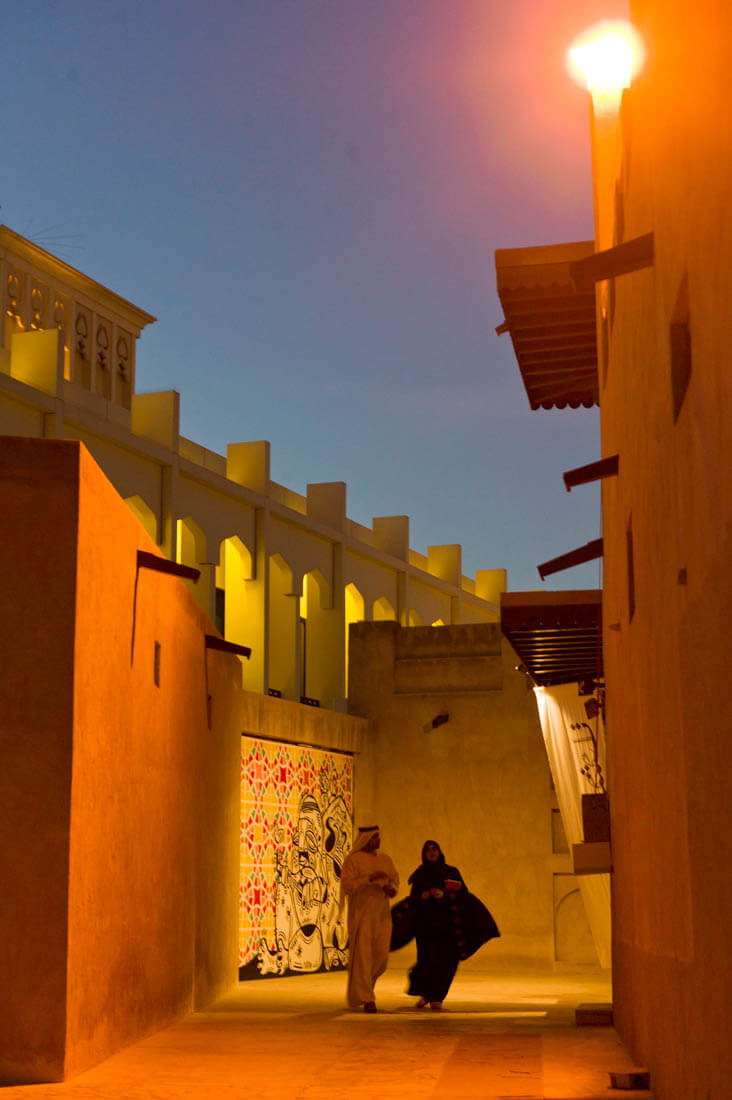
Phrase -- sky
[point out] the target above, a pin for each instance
(308, 195)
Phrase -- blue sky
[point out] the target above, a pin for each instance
(308, 195)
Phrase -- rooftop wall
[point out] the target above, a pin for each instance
(260, 546)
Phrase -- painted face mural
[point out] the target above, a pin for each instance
(338, 834)
(305, 888)
(295, 874)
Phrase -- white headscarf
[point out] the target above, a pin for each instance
(365, 833)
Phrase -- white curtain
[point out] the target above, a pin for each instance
(569, 751)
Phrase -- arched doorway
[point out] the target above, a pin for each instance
(355, 612)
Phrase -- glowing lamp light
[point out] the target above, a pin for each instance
(604, 59)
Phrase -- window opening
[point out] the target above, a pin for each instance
(631, 569)
(680, 348)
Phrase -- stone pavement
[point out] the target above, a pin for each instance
(507, 1034)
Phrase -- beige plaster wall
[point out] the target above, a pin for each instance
(265, 716)
(135, 917)
(667, 666)
(17, 418)
(479, 784)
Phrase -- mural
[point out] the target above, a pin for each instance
(589, 751)
(296, 828)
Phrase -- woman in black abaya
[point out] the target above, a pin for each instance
(450, 924)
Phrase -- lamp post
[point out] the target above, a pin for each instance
(604, 58)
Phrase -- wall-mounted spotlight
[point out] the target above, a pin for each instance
(526, 673)
(438, 720)
(592, 707)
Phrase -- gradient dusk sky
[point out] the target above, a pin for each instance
(308, 195)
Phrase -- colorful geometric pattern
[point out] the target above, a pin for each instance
(296, 828)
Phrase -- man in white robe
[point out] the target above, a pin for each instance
(368, 880)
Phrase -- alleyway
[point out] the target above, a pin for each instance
(503, 1035)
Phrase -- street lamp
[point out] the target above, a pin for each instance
(604, 58)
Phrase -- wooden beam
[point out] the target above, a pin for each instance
(582, 554)
(593, 471)
(214, 642)
(146, 560)
(623, 258)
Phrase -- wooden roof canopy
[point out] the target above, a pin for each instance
(551, 322)
(557, 635)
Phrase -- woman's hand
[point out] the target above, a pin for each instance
(437, 893)
(425, 894)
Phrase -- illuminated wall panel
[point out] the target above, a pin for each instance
(296, 828)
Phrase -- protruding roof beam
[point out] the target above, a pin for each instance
(629, 256)
(593, 471)
(146, 560)
(582, 554)
(212, 641)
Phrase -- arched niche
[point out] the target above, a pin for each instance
(235, 563)
(355, 612)
(190, 542)
(284, 618)
(238, 606)
(573, 942)
(315, 594)
(320, 643)
(144, 514)
(191, 550)
(383, 611)
(415, 619)
(279, 566)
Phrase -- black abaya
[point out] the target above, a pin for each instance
(448, 928)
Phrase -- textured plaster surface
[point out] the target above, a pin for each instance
(38, 566)
(150, 802)
(666, 666)
(120, 813)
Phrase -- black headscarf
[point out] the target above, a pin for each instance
(430, 873)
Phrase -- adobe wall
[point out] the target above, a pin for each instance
(134, 917)
(266, 716)
(479, 784)
(38, 567)
(668, 664)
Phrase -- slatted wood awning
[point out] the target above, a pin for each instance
(552, 324)
(557, 635)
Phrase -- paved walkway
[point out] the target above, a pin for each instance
(504, 1035)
